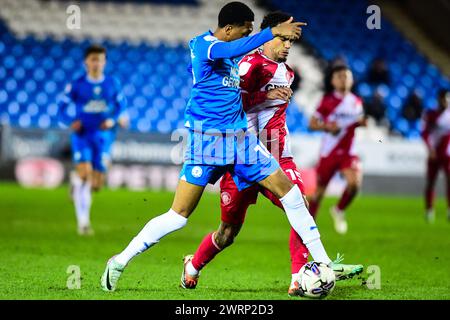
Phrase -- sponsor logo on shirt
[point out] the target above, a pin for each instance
(95, 106)
(233, 80)
(272, 86)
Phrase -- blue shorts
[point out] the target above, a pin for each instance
(93, 147)
(209, 156)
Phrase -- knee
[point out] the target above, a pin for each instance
(429, 185)
(353, 186)
(97, 183)
(277, 183)
(84, 174)
(183, 211)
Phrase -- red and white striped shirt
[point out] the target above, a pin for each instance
(267, 118)
(436, 132)
(345, 111)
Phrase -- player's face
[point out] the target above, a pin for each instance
(342, 80)
(95, 63)
(237, 32)
(279, 48)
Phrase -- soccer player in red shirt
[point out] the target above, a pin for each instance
(339, 114)
(436, 135)
(265, 85)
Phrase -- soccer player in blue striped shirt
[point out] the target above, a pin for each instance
(99, 108)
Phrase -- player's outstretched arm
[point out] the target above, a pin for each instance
(121, 104)
(237, 48)
(117, 116)
(63, 102)
(425, 134)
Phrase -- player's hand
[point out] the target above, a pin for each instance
(332, 128)
(288, 29)
(123, 122)
(76, 126)
(107, 124)
(283, 93)
(363, 121)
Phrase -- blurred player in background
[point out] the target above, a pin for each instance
(339, 114)
(100, 107)
(217, 121)
(265, 84)
(436, 135)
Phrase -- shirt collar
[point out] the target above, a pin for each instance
(95, 81)
(338, 95)
(266, 57)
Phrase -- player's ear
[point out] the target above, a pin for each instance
(228, 29)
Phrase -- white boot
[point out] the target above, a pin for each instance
(340, 224)
(430, 216)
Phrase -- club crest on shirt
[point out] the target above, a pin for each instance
(243, 68)
(97, 90)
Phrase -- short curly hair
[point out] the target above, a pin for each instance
(272, 19)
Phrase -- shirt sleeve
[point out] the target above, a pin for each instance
(120, 103)
(251, 96)
(321, 112)
(362, 112)
(426, 129)
(232, 49)
(63, 102)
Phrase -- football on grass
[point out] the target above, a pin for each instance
(316, 280)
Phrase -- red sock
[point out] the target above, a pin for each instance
(346, 198)
(205, 252)
(299, 252)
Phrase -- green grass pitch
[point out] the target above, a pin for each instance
(38, 242)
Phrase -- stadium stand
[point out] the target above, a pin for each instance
(346, 34)
(147, 51)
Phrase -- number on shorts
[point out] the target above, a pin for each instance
(294, 174)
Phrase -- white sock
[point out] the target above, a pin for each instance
(153, 231)
(87, 200)
(294, 277)
(303, 223)
(191, 270)
(79, 201)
